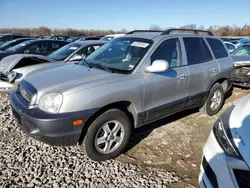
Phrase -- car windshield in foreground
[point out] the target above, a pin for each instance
(18, 46)
(121, 55)
(242, 51)
(64, 52)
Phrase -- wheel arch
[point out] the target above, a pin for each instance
(126, 106)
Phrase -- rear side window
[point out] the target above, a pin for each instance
(217, 48)
(197, 51)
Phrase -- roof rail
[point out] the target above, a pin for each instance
(142, 31)
(196, 31)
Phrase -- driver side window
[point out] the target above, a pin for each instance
(170, 51)
(85, 52)
(40, 48)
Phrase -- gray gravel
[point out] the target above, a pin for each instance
(29, 163)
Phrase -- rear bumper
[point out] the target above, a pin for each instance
(53, 129)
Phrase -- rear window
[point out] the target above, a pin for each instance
(217, 48)
(197, 51)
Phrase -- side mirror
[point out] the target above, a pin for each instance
(76, 58)
(158, 66)
(26, 51)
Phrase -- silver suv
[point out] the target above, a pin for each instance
(127, 83)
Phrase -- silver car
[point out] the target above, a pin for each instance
(14, 68)
(125, 84)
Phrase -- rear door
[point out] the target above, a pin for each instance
(221, 55)
(166, 92)
(202, 68)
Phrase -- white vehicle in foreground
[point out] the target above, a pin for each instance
(226, 155)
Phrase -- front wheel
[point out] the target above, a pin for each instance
(215, 100)
(107, 135)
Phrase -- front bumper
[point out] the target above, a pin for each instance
(53, 129)
(240, 77)
(217, 169)
(6, 87)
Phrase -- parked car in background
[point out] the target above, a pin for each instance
(8, 37)
(241, 73)
(41, 47)
(59, 37)
(90, 38)
(226, 158)
(43, 37)
(76, 51)
(11, 43)
(14, 68)
(110, 37)
(242, 41)
(242, 50)
(230, 46)
(127, 83)
(72, 39)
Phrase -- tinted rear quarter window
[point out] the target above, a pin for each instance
(217, 47)
(197, 51)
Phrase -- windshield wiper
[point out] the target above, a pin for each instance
(102, 67)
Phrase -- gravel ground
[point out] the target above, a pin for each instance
(28, 163)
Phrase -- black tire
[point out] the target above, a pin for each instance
(206, 108)
(88, 144)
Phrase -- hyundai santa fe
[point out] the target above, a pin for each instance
(125, 84)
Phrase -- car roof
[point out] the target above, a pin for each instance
(152, 35)
(46, 40)
(226, 42)
(87, 42)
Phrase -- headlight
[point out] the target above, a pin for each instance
(51, 102)
(223, 140)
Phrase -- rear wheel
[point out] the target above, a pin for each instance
(107, 135)
(215, 100)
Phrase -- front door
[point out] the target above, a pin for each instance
(166, 92)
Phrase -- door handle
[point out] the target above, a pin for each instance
(182, 76)
(213, 70)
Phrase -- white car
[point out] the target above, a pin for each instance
(230, 46)
(226, 155)
(110, 37)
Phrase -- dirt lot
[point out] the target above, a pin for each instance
(176, 143)
(166, 153)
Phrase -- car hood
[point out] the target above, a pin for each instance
(241, 60)
(239, 124)
(4, 54)
(71, 78)
(7, 63)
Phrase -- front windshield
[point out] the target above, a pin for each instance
(6, 44)
(242, 51)
(119, 55)
(18, 46)
(64, 52)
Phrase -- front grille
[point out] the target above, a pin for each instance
(243, 178)
(25, 93)
(210, 173)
